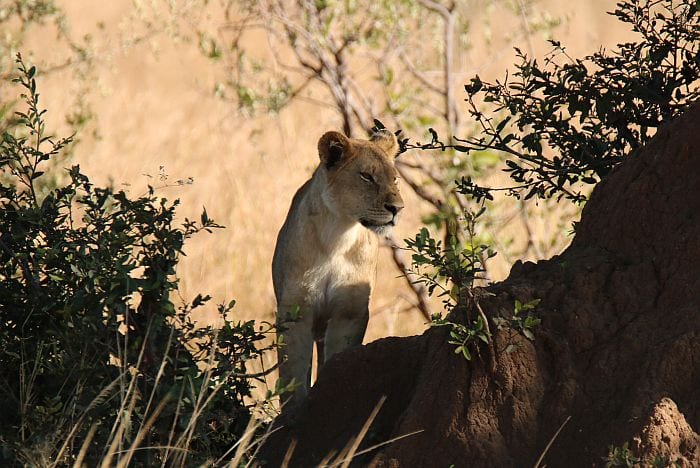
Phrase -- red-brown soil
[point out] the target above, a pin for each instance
(618, 350)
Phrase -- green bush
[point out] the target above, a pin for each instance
(96, 360)
(566, 123)
(562, 125)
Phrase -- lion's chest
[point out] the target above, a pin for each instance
(347, 273)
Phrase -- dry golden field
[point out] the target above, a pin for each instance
(150, 92)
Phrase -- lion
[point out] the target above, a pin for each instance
(325, 259)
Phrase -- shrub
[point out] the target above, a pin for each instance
(562, 125)
(568, 122)
(96, 359)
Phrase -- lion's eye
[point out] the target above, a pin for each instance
(366, 177)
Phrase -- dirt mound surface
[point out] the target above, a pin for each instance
(665, 432)
(616, 358)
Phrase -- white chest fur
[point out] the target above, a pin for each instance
(345, 259)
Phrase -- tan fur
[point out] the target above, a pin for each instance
(326, 253)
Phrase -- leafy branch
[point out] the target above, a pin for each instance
(567, 123)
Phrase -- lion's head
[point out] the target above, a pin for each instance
(361, 181)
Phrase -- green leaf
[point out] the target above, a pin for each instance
(531, 304)
(466, 354)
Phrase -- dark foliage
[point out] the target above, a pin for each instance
(568, 122)
(89, 334)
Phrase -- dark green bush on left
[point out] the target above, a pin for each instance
(95, 357)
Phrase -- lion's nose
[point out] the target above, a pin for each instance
(393, 208)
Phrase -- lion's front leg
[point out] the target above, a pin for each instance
(349, 314)
(295, 353)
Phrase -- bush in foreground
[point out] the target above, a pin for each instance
(96, 360)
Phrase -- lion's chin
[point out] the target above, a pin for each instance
(383, 229)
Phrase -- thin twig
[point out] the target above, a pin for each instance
(418, 289)
(551, 441)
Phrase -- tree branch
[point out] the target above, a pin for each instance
(418, 289)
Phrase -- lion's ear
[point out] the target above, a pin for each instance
(332, 147)
(386, 141)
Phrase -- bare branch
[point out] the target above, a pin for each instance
(422, 79)
(417, 188)
(448, 16)
(418, 289)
